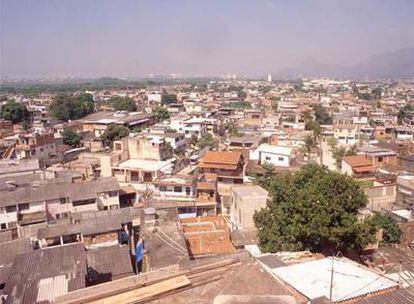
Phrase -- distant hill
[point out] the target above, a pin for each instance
(397, 64)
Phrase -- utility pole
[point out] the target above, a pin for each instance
(332, 274)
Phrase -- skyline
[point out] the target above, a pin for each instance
(88, 39)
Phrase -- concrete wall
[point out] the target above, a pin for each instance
(274, 159)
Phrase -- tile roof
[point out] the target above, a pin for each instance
(207, 236)
(357, 161)
(222, 157)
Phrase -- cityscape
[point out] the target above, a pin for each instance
(214, 152)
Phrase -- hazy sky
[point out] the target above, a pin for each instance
(85, 38)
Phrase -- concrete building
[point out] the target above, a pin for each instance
(278, 156)
(246, 200)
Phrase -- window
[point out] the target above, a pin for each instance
(118, 146)
(63, 200)
(10, 209)
(187, 190)
(280, 158)
(24, 207)
(3, 226)
(380, 159)
(163, 188)
(268, 158)
(84, 202)
(178, 189)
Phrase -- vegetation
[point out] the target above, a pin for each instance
(168, 98)
(310, 144)
(114, 132)
(67, 107)
(340, 152)
(233, 130)
(266, 178)
(376, 93)
(123, 103)
(193, 140)
(15, 112)
(321, 115)
(332, 142)
(313, 209)
(409, 107)
(391, 233)
(71, 138)
(240, 105)
(207, 140)
(162, 113)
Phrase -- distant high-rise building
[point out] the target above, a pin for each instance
(269, 78)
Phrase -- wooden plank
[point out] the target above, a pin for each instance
(97, 292)
(144, 293)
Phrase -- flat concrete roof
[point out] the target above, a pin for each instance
(250, 191)
(145, 165)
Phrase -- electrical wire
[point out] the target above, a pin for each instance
(172, 241)
(172, 246)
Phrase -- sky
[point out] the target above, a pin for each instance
(122, 38)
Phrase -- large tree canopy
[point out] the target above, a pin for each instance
(168, 98)
(66, 107)
(123, 104)
(161, 113)
(321, 115)
(71, 138)
(314, 209)
(14, 111)
(114, 132)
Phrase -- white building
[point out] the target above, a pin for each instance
(154, 97)
(275, 155)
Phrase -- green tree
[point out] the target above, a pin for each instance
(168, 98)
(193, 140)
(332, 142)
(409, 107)
(233, 129)
(71, 138)
(340, 152)
(391, 232)
(376, 93)
(207, 140)
(66, 107)
(266, 177)
(123, 103)
(313, 209)
(162, 113)
(114, 132)
(240, 105)
(321, 115)
(310, 144)
(14, 111)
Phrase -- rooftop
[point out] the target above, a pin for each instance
(357, 161)
(250, 192)
(145, 165)
(51, 272)
(207, 235)
(108, 264)
(266, 148)
(350, 280)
